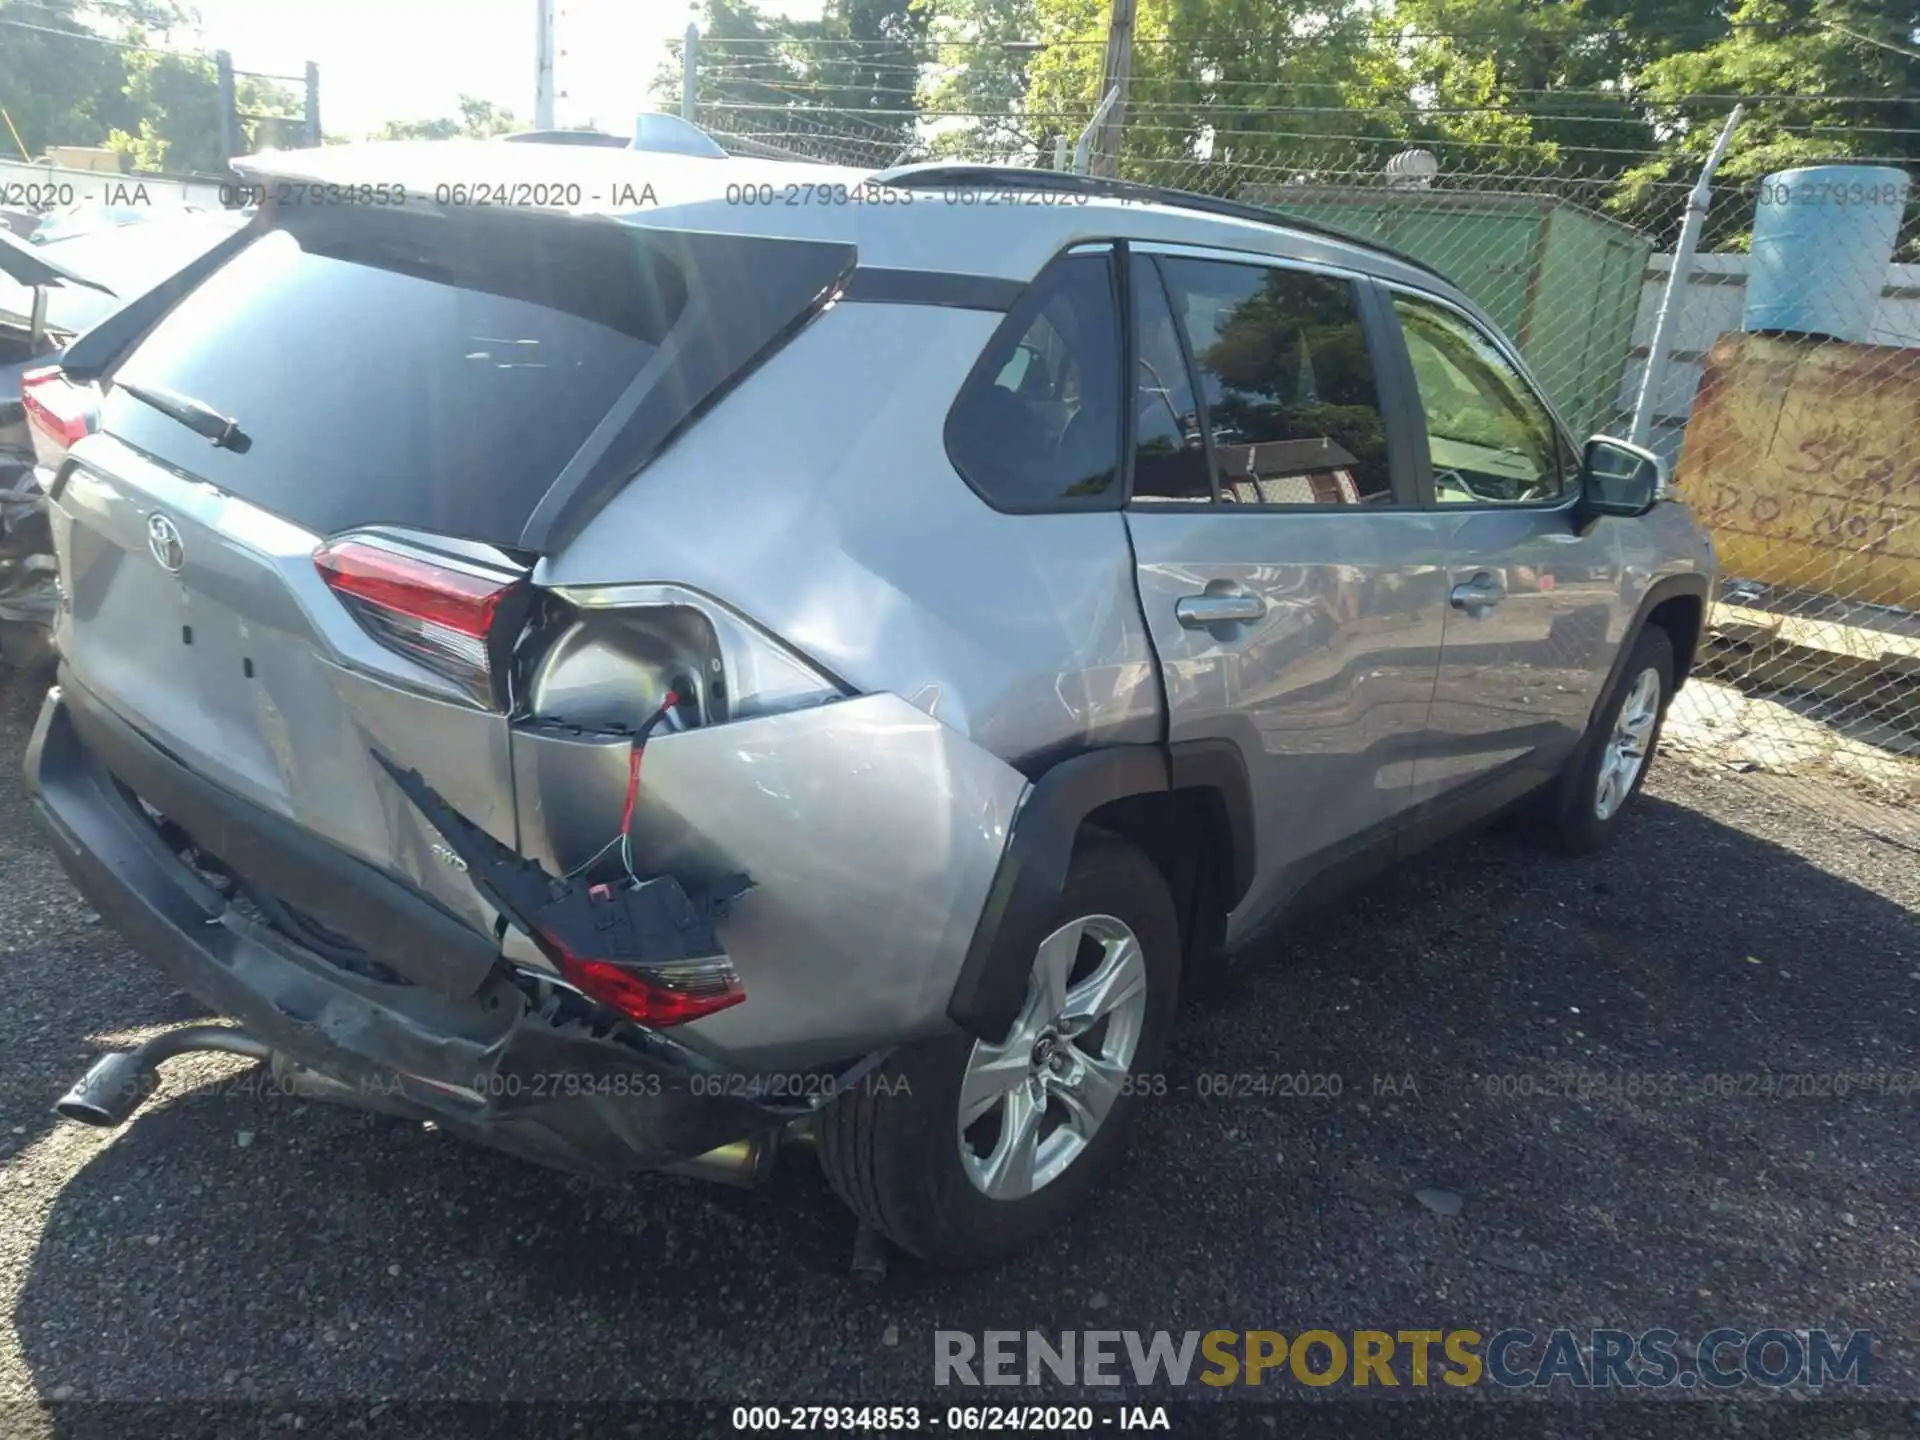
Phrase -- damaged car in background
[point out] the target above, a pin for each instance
(631, 685)
(50, 292)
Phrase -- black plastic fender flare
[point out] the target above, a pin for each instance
(992, 982)
(1667, 587)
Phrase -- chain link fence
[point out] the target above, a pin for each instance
(1788, 402)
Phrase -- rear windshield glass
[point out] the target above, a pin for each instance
(422, 370)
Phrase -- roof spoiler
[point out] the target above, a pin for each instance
(661, 134)
(674, 136)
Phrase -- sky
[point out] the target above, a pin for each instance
(412, 59)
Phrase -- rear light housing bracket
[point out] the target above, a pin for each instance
(645, 949)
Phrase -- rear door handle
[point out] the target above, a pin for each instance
(1482, 592)
(1200, 612)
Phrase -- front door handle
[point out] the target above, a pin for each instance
(1482, 592)
(1201, 612)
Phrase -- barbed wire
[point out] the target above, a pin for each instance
(778, 37)
(723, 67)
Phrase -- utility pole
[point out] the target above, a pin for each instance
(689, 73)
(313, 104)
(229, 106)
(1113, 81)
(543, 66)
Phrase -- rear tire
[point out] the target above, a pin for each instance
(894, 1147)
(1606, 772)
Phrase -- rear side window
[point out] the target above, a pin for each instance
(1037, 424)
(1292, 407)
(406, 369)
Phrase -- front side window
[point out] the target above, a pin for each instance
(1489, 438)
(1292, 407)
(1037, 424)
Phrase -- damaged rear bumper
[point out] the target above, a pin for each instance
(518, 1064)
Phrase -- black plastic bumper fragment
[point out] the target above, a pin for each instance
(484, 1066)
(639, 924)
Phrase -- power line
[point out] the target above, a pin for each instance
(95, 39)
(108, 7)
(1099, 42)
(1869, 40)
(1205, 110)
(760, 68)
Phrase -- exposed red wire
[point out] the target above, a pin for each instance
(667, 702)
(633, 789)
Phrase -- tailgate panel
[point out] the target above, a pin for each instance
(238, 667)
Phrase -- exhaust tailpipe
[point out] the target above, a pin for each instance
(117, 1084)
(744, 1163)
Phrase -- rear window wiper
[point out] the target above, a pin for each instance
(202, 419)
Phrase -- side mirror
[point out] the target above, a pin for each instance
(1618, 478)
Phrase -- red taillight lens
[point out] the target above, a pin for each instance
(59, 412)
(436, 612)
(662, 994)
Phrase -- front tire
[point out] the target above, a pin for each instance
(1612, 761)
(962, 1151)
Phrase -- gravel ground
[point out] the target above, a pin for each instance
(227, 1245)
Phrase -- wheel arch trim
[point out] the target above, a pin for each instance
(1668, 587)
(992, 981)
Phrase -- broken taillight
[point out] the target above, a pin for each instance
(644, 948)
(437, 611)
(661, 994)
(59, 412)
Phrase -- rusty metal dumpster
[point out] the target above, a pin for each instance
(1803, 457)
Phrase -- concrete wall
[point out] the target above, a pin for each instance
(1716, 296)
(20, 179)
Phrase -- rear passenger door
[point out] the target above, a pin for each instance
(1533, 590)
(1292, 585)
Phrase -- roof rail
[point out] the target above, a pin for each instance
(1010, 177)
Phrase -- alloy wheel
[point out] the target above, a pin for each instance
(1032, 1103)
(1627, 747)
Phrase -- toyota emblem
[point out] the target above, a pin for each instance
(163, 539)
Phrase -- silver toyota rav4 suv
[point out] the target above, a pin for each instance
(628, 655)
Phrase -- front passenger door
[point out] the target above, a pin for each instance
(1533, 593)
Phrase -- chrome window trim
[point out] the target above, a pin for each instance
(1181, 251)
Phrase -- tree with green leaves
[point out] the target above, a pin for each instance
(1217, 86)
(74, 73)
(1847, 80)
(63, 69)
(975, 88)
(177, 100)
(478, 120)
(852, 76)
